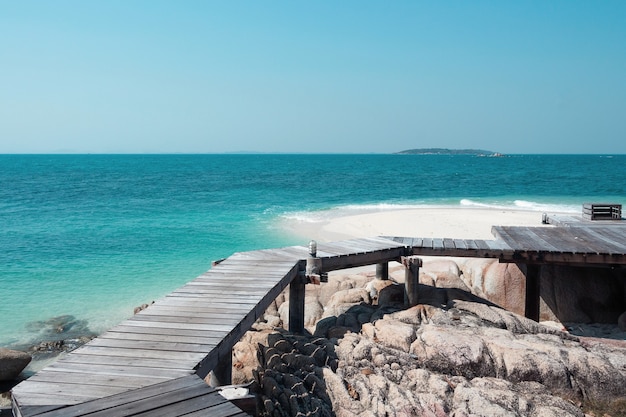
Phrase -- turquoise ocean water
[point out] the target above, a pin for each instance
(93, 236)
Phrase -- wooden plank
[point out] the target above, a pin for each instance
(212, 405)
(208, 289)
(183, 357)
(438, 244)
(211, 297)
(175, 386)
(481, 245)
(90, 370)
(173, 403)
(460, 244)
(153, 345)
(122, 381)
(354, 260)
(213, 327)
(428, 243)
(164, 331)
(33, 404)
(123, 361)
(222, 303)
(220, 316)
(448, 244)
(526, 239)
(213, 340)
(87, 392)
(199, 302)
(471, 244)
(222, 320)
(605, 241)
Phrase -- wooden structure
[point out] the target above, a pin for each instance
(602, 211)
(183, 337)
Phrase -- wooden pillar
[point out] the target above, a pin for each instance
(382, 271)
(222, 374)
(296, 305)
(533, 290)
(411, 279)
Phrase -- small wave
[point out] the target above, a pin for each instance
(534, 206)
(522, 205)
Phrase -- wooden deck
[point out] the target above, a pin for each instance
(576, 220)
(184, 336)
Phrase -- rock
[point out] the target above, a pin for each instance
(495, 397)
(12, 363)
(393, 333)
(60, 328)
(325, 324)
(351, 296)
(375, 286)
(454, 354)
(391, 295)
(441, 265)
(142, 307)
(245, 359)
(448, 280)
(621, 322)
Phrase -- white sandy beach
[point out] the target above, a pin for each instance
(460, 223)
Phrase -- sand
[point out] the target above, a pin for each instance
(459, 223)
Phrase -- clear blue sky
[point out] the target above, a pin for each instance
(318, 76)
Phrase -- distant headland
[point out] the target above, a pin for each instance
(444, 151)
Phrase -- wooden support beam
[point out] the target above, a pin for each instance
(411, 279)
(222, 374)
(533, 285)
(382, 271)
(296, 305)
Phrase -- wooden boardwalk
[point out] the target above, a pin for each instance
(189, 333)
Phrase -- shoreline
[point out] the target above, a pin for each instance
(440, 222)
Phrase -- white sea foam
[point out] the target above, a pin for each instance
(523, 205)
(318, 216)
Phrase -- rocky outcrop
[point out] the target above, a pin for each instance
(454, 354)
(568, 294)
(12, 363)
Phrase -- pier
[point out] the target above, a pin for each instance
(155, 363)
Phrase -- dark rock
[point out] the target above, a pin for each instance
(12, 363)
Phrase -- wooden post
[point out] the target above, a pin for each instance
(533, 290)
(411, 279)
(313, 270)
(296, 305)
(222, 374)
(382, 271)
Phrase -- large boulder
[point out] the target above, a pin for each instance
(12, 363)
(583, 295)
(503, 284)
(568, 294)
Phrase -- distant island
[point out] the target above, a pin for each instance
(444, 151)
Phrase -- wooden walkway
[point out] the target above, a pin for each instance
(184, 336)
(187, 333)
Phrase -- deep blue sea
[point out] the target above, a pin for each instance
(93, 236)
